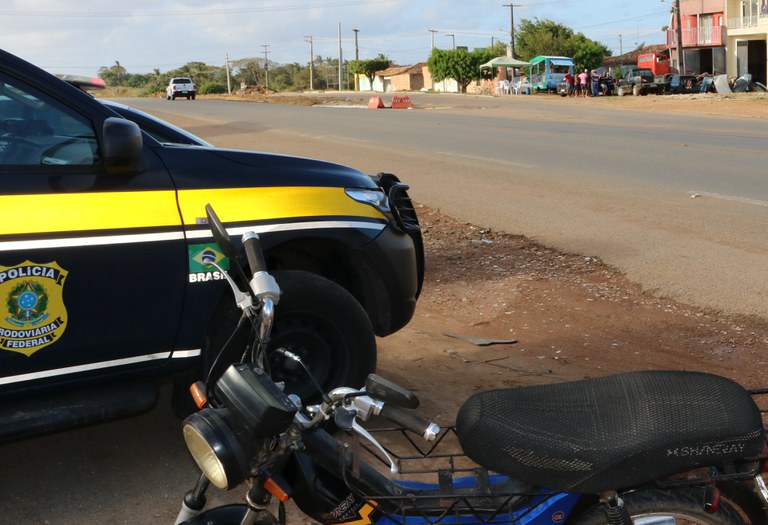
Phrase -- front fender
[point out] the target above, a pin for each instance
(230, 515)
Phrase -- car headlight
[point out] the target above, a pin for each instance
(220, 446)
(376, 198)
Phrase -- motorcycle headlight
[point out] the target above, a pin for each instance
(220, 446)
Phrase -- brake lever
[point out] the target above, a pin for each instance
(363, 432)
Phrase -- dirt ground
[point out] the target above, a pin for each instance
(549, 317)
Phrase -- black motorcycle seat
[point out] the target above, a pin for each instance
(611, 432)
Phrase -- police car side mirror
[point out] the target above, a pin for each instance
(122, 147)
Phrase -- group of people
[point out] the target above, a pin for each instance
(589, 83)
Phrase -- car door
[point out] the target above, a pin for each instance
(92, 264)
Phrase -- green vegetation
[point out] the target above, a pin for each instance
(545, 37)
(212, 88)
(368, 68)
(459, 64)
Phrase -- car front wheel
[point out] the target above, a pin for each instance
(317, 320)
(326, 327)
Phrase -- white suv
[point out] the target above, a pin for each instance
(181, 87)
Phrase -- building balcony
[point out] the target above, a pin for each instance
(758, 22)
(697, 37)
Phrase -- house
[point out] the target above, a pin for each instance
(747, 39)
(722, 36)
(702, 36)
(401, 78)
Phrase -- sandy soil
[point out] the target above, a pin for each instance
(571, 317)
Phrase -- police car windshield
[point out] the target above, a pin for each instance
(160, 130)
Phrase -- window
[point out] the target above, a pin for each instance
(36, 131)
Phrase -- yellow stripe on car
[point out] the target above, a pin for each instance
(70, 212)
(67, 212)
(249, 204)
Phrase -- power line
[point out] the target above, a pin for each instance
(193, 12)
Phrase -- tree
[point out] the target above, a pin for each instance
(368, 68)
(459, 64)
(114, 75)
(589, 54)
(545, 37)
(246, 71)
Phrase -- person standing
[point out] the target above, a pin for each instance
(583, 83)
(594, 83)
(568, 83)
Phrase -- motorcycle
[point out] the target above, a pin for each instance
(647, 447)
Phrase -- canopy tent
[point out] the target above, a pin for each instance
(504, 62)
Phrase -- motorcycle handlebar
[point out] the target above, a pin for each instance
(409, 420)
(254, 253)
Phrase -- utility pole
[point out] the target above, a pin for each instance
(229, 83)
(621, 45)
(341, 64)
(512, 25)
(311, 63)
(680, 52)
(266, 66)
(453, 37)
(357, 57)
(432, 31)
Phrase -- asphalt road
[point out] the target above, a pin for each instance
(597, 181)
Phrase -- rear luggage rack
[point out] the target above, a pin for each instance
(462, 491)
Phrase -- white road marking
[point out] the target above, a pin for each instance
(745, 200)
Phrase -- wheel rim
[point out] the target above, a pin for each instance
(319, 345)
(667, 518)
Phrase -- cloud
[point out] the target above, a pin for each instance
(80, 37)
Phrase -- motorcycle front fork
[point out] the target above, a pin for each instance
(256, 508)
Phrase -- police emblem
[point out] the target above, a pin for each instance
(34, 300)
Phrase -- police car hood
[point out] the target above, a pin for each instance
(291, 169)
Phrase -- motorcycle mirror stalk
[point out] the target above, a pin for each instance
(262, 284)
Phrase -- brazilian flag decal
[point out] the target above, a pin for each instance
(198, 254)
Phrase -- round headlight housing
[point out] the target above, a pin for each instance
(220, 446)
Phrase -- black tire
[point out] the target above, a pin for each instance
(324, 325)
(686, 505)
(193, 96)
(316, 319)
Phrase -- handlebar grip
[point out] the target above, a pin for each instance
(409, 420)
(254, 253)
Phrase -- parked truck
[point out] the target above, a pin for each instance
(639, 81)
(658, 63)
(666, 75)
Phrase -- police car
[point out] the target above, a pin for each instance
(103, 292)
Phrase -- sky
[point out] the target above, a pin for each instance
(79, 37)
